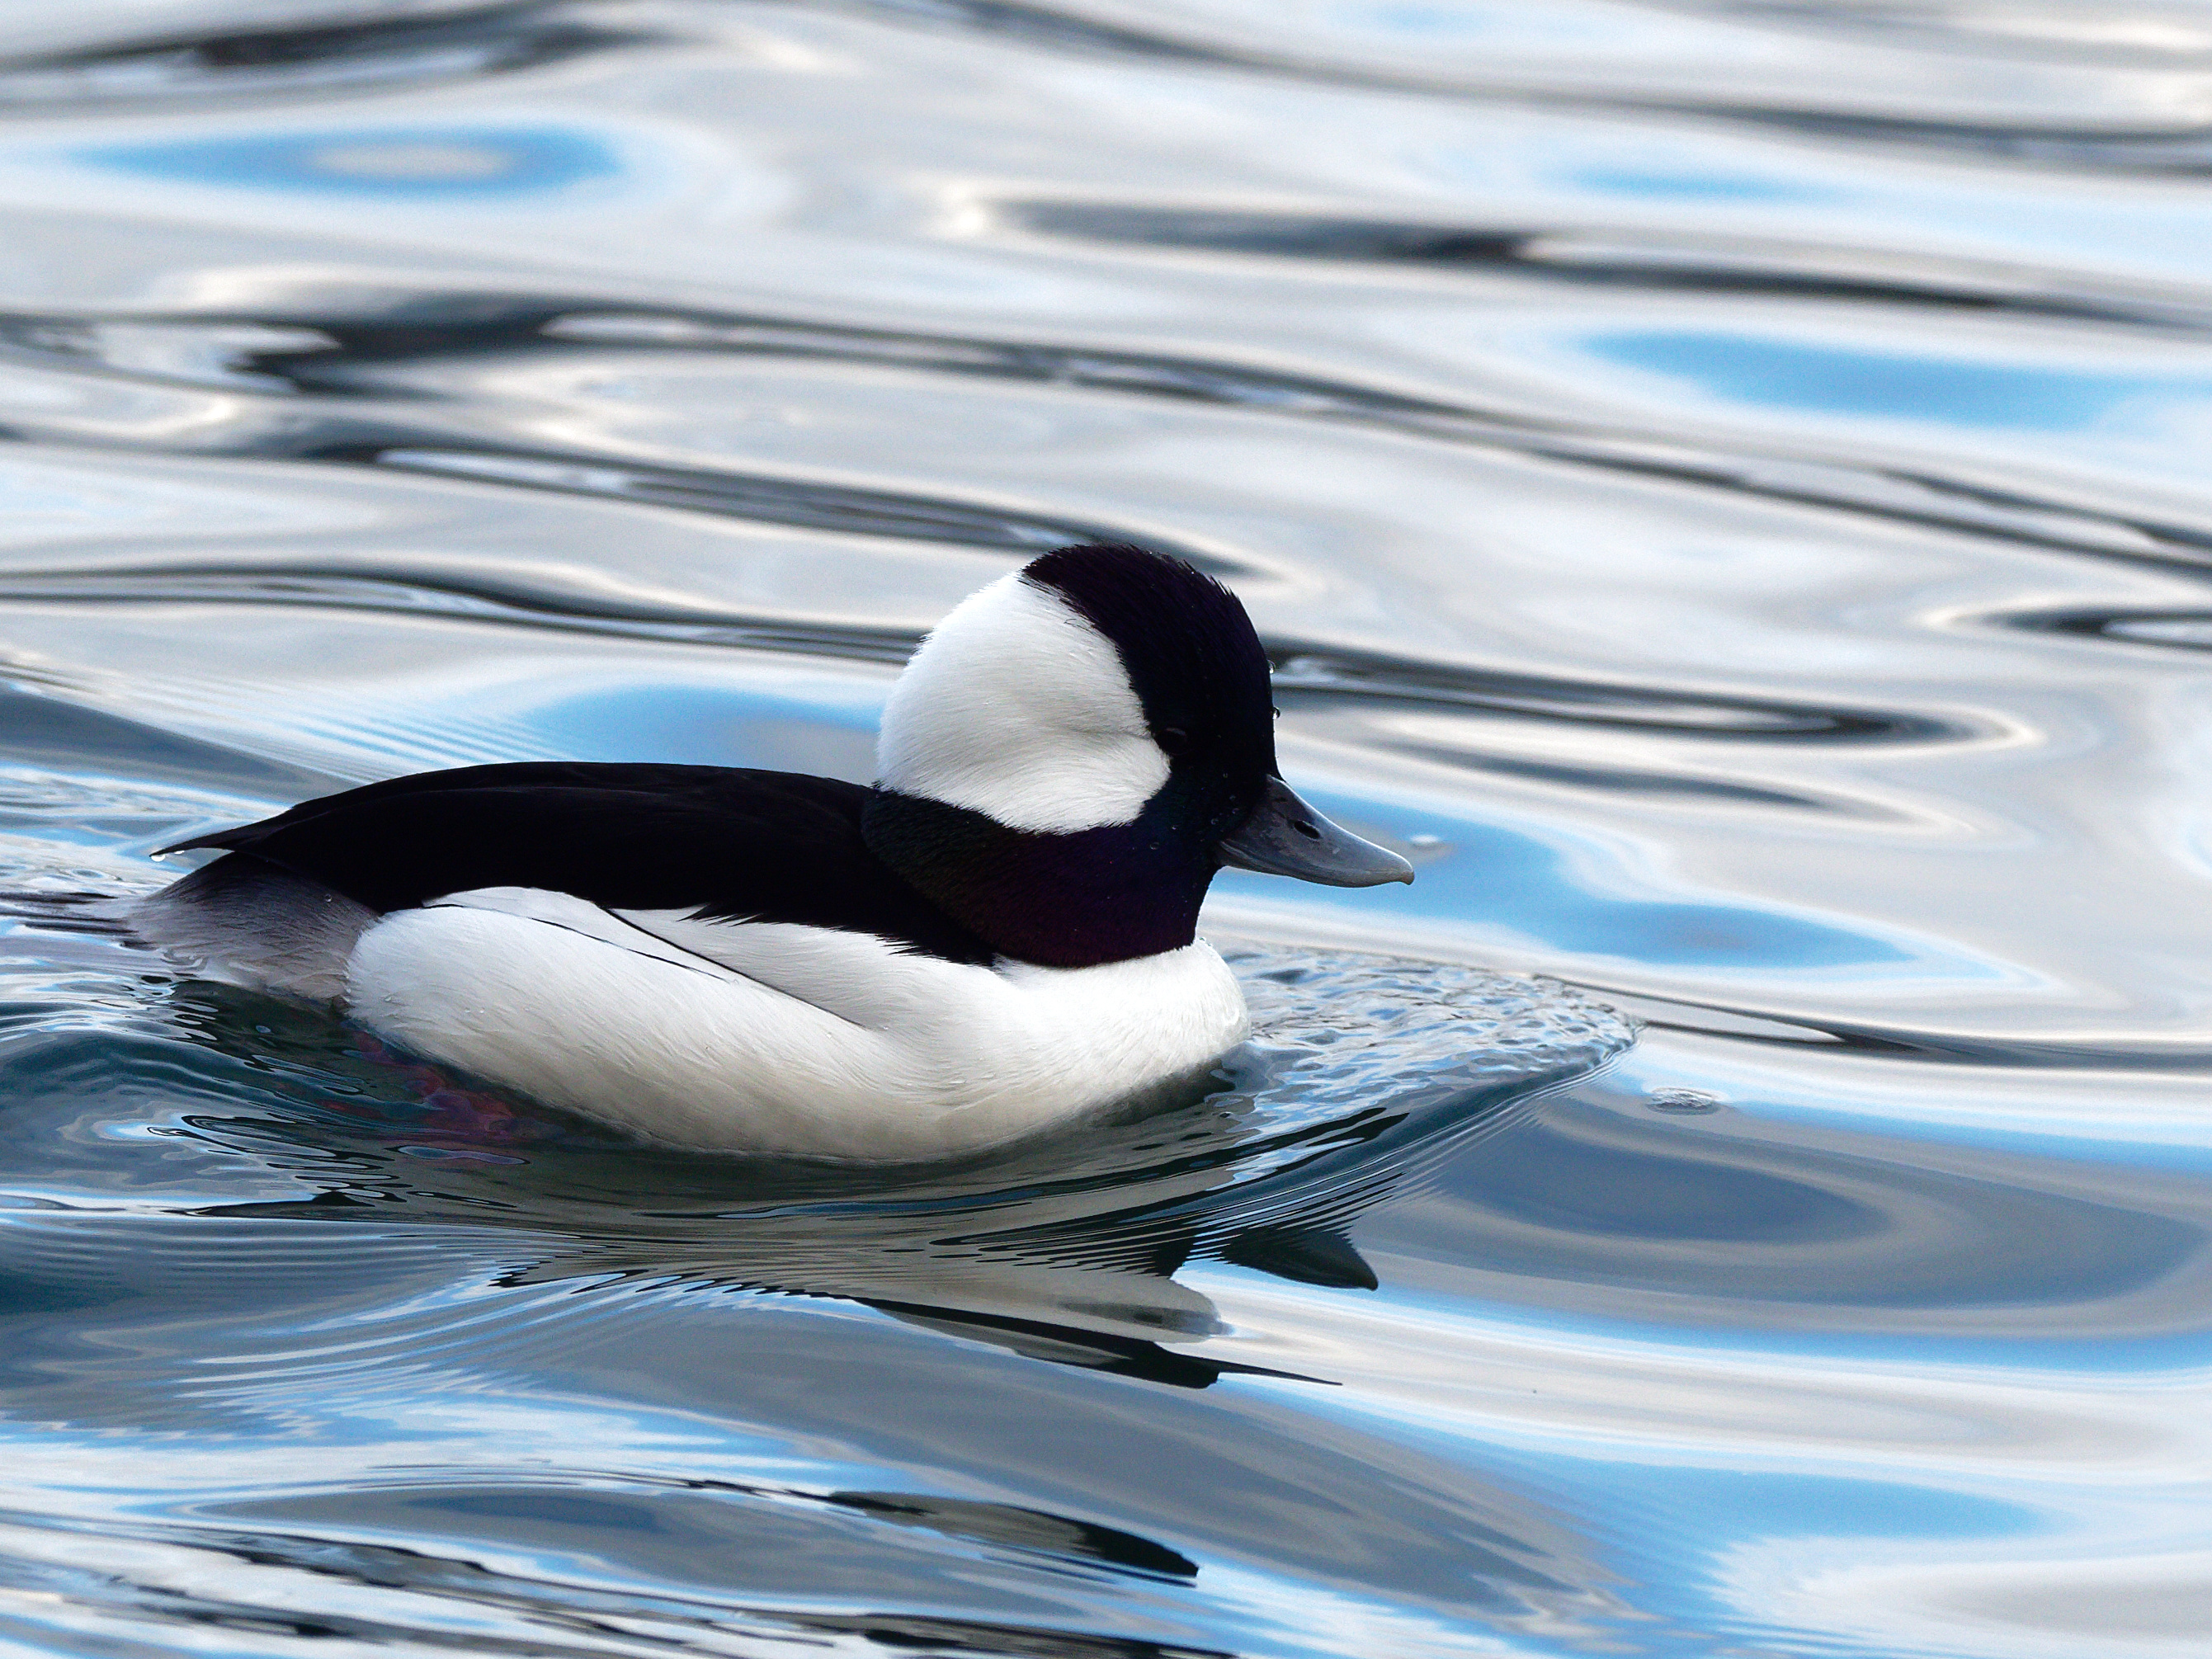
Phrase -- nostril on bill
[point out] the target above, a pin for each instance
(1305, 829)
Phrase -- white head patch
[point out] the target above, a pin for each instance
(1015, 707)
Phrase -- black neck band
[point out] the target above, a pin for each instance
(1071, 900)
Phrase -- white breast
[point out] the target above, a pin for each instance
(767, 1037)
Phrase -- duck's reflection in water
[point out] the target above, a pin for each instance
(1073, 1249)
(1066, 1249)
(1079, 1271)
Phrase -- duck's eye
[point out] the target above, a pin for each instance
(1172, 738)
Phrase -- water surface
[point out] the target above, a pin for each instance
(1723, 487)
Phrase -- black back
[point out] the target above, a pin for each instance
(716, 841)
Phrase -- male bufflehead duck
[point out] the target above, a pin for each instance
(999, 934)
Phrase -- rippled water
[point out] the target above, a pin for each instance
(1723, 486)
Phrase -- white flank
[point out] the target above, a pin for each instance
(759, 1036)
(1017, 707)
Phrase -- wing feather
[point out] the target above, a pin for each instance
(713, 842)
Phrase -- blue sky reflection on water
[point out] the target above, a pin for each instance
(1686, 185)
(423, 163)
(1830, 379)
(1515, 880)
(1705, 1517)
(734, 723)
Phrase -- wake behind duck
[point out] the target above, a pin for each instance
(999, 935)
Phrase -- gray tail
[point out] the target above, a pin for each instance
(246, 921)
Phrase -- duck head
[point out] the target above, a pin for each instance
(1078, 748)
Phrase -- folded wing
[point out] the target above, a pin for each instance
(708, 842)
